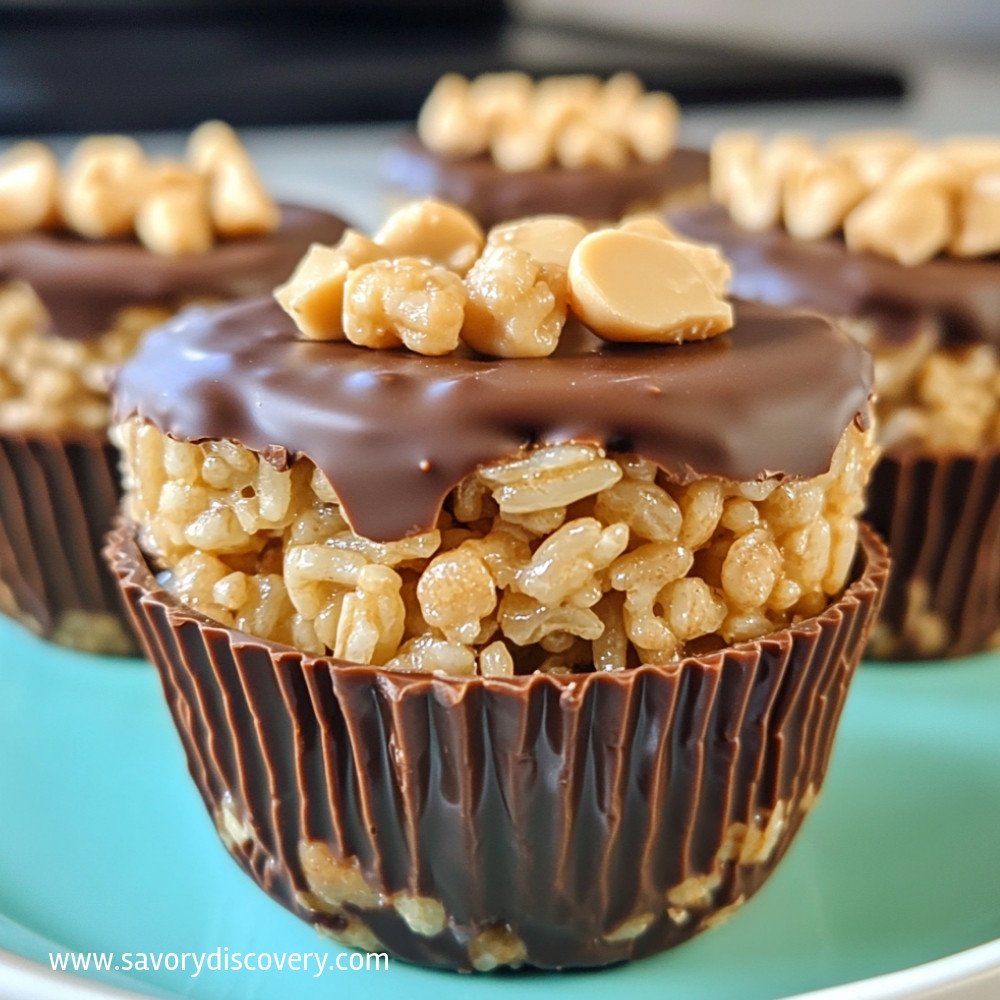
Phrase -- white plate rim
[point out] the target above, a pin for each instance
(966, 975)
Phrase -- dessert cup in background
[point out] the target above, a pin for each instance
(92, 255)
(504, 147)
(900, 243)
(530, 653)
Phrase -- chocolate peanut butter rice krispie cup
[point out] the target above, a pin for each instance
(91, 256)
(900, 243)
(501, 624)
(503, 146)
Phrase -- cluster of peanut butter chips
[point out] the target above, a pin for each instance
(431, 279)
(887, 192)
(571, 121)
(109, 189)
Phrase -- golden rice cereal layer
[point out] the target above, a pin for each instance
(563, 558)
(939, 398)
(52, 383)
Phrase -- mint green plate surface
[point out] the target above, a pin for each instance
(105, 846)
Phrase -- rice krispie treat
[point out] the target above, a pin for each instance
(489, 521)
(92, 254)
(899, 241)
(504, 146)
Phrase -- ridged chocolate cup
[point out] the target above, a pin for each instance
(941, 517)
(58, 495)
(554, 821)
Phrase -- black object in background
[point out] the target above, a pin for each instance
(67, 65)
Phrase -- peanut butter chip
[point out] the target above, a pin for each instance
(314, 295)
(210, 144)
(651, 126)
(873, 155)
(709, 262)
(715, 269)
(522, 145)
(500, 97)
(448, 123)
(974, 152)
(239, 202)
(887, 192)
(618, 97)
(29, 185)
(978, 231)
(911, 226)
(648, 223)
(633, 288)
(109, 190)
(102, 186)
(443, 233)
(574, 121)
(818, 194)
(174, 221)
(579, 143)
(550, 239)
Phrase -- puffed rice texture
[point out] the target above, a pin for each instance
(559, 559)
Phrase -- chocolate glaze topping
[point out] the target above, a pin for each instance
(395, 431)
(495, 195)
(83, 283)
(774, 266)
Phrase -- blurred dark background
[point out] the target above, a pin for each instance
(69, 65)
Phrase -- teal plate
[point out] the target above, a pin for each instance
(105, 846)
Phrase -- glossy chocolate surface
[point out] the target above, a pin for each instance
(83, 283)
(775, 267)
(395, 431)
(494, 195)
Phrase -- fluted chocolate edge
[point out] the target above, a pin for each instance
(544, 820)
(941, 517)
(58, 494)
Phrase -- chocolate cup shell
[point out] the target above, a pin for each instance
(941, 517)
(547, 820)
(58, 495)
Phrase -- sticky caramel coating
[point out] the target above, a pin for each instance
(49, 383)
(562, 558)
(888, 193)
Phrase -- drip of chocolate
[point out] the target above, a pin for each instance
(394, 431)
(84, 283)
(494, 195)
(963, 294)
